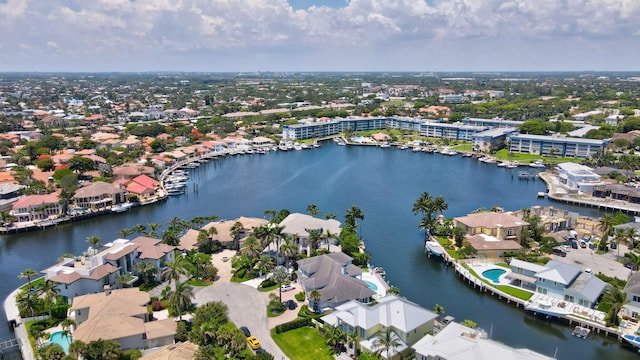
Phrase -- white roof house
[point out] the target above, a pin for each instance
(578, 177)
(408, 321)
(297, 224)
(458, 342)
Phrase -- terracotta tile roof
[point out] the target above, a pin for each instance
(145, 181)
(160, 328)
(490, 220)
(97, 188)
(127, 249)
(483, 242)
(36, 200)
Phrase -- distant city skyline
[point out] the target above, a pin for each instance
(319, 35)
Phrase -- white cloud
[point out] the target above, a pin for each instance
(323, 37)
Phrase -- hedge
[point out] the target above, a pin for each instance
(291, 325)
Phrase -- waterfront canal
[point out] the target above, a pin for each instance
(383, 183)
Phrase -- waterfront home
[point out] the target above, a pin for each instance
(632, 290)
(99, 195)
(9, 194)
(130, 171)
(297, 226)
(226, 237)
(500, 225)
(97, 267)
(559, 280)
(491, 140)
(37, 207)
(335, 277)
(456, 341)
(621, 192)
(489, 246)
(120, 315)
(551, 218)
(180, 350)
(407, 321)
(576, 178)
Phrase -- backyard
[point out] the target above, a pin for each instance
(303, 343)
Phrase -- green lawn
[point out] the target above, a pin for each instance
(303, 343)
(462, 147)
(519, 293)
(527, 158)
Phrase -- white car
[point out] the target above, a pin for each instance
(287, 287)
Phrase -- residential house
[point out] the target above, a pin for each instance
(632, 289)
(98, 267)
(142, 186)
(99, 195)
(578, 178)
(457, 341)
(130, 171)
(223, 232)
(492, 247)
(500, 225)
(297, 226)
(335, 277)
(552, 218)
(559, 280)
(408, 321)
(37, 207)
(120, 315)
(9, 194)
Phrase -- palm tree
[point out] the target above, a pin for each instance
(619, 235)
(617, 299)
(173, 270)
(328, 236)
(180, 298)
(352, 215)
(606, 224)
(94, 241)
(353, 339)
(146, 270)
(438, 309)
(251, 247)
(124, 233)
(66, 327)
(153, 229)
(315, 235)
(77, 348)
(270, 214)
(631, 236)
(28, 303)
(386, 341)
(316, 297)
(140, 229)
(27, 274)
(49, 291)
(288, 249)
(264, 264)
(330, 216)
(313, 210)
(235, 232)
(280, 275)
(334, 335)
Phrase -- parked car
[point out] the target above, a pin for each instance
(613, 245)
(253, 343)
(574, 244)
(290, 304)
(559, 252)
(583, 244)
(246, 331)
(287, 287)
(261, 351)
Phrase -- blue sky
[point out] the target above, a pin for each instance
(319, 35)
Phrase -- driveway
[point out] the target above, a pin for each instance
(247, 307)
(605, 263)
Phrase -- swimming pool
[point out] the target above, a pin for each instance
(371, 285)
(493, 274)
(62, 340)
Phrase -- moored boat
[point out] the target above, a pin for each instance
(537, 164)
(633, 340)
(121, 207)
(434, 247)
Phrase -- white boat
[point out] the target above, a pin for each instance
(502, 164)
(404, 147)
(385, 145)
(380, 271)
(121, 207)
(434, 247)
(297, 147)
(283, 147)
(512, 165)
(417, 148)
(176, 191)
(537, 164)
(632, 339)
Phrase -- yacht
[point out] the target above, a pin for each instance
(434, 247)
(537, 164)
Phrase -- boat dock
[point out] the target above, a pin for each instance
(575, 315)
(598, 203)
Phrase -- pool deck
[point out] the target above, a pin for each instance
(380, 283)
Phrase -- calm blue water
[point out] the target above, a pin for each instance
(384, 183)
(493, 274)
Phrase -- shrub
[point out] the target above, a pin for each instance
(267, 283)
(156, 305)
(300, 296)
(295, 324)
(240, 273)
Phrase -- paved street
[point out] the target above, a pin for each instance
(247, 307)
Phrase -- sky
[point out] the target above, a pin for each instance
(319, 35)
